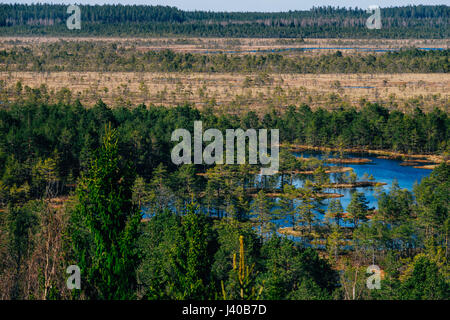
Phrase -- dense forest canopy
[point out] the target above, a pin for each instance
(33, 131)
(203, 225)
(319, 22)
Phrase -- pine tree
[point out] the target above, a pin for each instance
(161, 194)
(140, 192)
(307, 206)
(358, 208)
(334, 242)
(263, 215)
(335, 211)
(288, 209)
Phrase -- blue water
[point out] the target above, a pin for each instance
(383, 170)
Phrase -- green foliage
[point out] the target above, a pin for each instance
(425, 282)
(196, 273)
(184, 251)
(65, 137)
(242, 283)
(159, 270)
(104, 57)
(358, 208)
(395, 206)
(262, 210)
(432, 197)
(335, 211)
(422, 21)
(109, 257)
(334, 243)
(177, 256)
(228, 234)
(309, 206)
(288, 208)
(292, 272)
(20, 226)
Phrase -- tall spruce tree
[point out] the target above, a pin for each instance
(105, 241)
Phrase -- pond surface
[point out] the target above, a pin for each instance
(383, 170)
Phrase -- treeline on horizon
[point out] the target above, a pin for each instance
(203, 231)
(99, 56)
(319, 22)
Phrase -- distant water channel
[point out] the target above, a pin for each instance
(279, 50)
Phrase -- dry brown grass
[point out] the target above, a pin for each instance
(238, 92)
(226, 90)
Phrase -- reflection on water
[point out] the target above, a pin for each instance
(383, 170)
